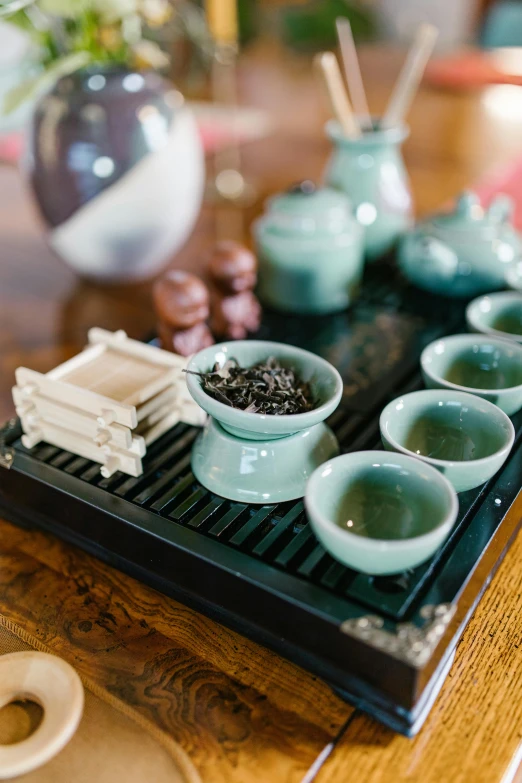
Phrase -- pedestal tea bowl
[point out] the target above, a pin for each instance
(257, 457)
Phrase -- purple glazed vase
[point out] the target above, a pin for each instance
(116, 165)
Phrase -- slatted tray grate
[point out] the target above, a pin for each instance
(279, 535)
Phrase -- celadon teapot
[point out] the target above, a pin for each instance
(462, 253)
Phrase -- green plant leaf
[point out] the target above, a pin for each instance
(32, 87)
(111, 11)
(69, 9)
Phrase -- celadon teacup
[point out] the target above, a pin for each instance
(465, 437)
(499, 315)
(380, 513)
(489, 367)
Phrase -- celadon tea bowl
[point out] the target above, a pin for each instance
(325, 382)
(499, 315)
(465, 437)
(380, 513)
(260, 458)
(486, 366)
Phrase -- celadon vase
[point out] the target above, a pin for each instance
(371, 171)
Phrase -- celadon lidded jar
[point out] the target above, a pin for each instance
(310, 251)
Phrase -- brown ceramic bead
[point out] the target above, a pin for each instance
(232, 269)
(181, 301)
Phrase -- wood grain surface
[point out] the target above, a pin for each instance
(475, 728)
(243, 713)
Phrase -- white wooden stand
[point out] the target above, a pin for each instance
(108, 403)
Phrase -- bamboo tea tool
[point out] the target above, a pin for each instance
(352, 72)
(108, 403)
(410, 76)
(229, 189)
(339, 101)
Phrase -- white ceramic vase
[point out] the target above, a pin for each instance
(117, 169)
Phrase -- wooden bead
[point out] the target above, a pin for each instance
(181, 300)
(232, 267)
(182, 306)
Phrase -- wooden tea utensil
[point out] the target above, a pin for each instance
(339, 101)
(54, 685)
(229, 188)
(222, 21)
(352, 72)
(91, 404)
(410, 76)
(108, 740)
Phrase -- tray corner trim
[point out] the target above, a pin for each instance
(409, 643)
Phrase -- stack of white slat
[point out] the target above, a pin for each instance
(108, 403)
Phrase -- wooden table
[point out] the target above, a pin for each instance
(241, 712)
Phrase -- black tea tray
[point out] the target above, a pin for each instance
(385, 643)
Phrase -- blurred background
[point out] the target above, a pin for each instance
(30, 32)
(109, 149)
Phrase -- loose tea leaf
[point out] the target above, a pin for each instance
(266, 387)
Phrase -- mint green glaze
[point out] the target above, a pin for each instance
(489, 367)
(254, 457)
(310, 252)
(498, 315)
(465, 252)
(260, 471)
(326, 385)
(371, 171)
(514, 276)
(463, 436)
(321, 212)
(380, 513)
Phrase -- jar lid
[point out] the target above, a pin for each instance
(306, 210)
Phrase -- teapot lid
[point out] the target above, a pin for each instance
(469, 215)
(305, 209)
